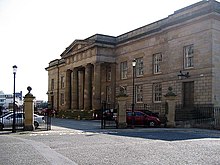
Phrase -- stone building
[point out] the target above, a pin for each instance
(181, 51)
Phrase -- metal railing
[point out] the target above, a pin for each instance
(108, 115)
(198, 116)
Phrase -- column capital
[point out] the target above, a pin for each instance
(89, 65)
(97, 63)
(69, 70)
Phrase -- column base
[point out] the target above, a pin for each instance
(122, 125)
(170, 124)
(29, 128)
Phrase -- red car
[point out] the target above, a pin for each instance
(142, 119)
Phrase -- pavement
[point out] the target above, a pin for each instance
(84, 142)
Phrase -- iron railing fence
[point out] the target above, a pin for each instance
(47, 122)
(153, 107)
(108, 115)
(199, 116)
(6, 121)
(216, 118)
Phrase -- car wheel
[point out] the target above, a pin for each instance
(152, 124)
(36, 124)
(1, 126)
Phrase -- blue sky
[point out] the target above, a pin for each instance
(35, 32)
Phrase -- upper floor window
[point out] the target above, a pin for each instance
(123, 70)
(52, 84)
(62, 82)
(157, 59)
(157, 92)
(139, 93)
(139, 67)
(188, 56)
(108, 73)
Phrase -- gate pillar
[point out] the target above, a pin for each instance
(29, 111)
(171, 102)
(121, 116)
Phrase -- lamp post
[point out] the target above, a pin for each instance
(14, 72)
(132, 122)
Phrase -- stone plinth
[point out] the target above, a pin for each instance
(171, 102)
(121, 119)
(29, 112)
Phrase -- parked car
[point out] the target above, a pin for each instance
(38, 120)
(38, 111)
(110, 114)
(6, 120)
(47, 112)
(150, 113)
(142, 119)
(3, 110)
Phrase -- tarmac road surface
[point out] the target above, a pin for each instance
(84, 143)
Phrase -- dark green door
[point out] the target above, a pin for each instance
(188, 94)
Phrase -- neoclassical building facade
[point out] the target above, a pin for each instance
(181, 51)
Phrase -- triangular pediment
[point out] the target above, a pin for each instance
(75, 46)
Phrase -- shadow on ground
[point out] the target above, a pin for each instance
(167, 134)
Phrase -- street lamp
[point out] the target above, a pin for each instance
(132, 122)
(14, 72)
(182, 74)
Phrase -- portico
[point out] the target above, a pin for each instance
(83, 87)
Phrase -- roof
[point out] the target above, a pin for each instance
(179, 16)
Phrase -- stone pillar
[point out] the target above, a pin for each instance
(121, 116)
(113, 81)
(81, 89)
(29, 111)
(75, 100)
(97, 87)
(171, 102)
(68, 90)
(88, 87)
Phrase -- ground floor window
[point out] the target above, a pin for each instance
(139, 93)
(62, 98)
(157, 92)
(108, 93)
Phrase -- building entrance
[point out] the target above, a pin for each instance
(188, 94)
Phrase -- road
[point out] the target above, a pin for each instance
(84, 143)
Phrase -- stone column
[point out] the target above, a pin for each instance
(96, 96)
(88, 87)
(121, 116)
(68, 90)
(171, 102)
(29, 111)
(113, 81)
(81, 89)
(75, 100)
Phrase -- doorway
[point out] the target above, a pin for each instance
(188, 94)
